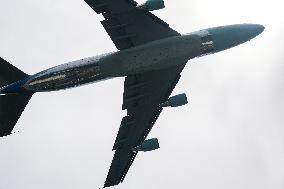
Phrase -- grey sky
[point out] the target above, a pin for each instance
(230, 135)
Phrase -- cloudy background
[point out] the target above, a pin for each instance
(230, 135)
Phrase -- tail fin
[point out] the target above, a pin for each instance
(11, 105)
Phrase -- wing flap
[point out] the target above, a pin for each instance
(118, 34)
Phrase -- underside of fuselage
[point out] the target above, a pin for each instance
(57, 78)
(70, 77)
(159, 54)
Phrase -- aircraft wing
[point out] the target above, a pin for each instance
(129, 26)
(142, 96)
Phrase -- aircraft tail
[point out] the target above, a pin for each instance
(11, 105)
(9, 73)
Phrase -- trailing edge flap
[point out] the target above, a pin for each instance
(11, 108)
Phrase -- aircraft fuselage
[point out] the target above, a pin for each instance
(155, 55)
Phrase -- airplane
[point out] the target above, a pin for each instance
(150, 56)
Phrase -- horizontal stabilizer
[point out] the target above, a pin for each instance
(11, 108)
(9, 73)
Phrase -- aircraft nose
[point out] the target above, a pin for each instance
(229, 36)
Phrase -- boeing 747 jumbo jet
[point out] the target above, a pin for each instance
(150, 56)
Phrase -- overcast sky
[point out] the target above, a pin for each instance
(230, 135)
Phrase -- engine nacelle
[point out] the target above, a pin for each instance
(152, 5)
(175, 101)
(148, 145)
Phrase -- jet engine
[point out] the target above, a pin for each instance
(175, 101)
(148, 145)
(152, 5)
